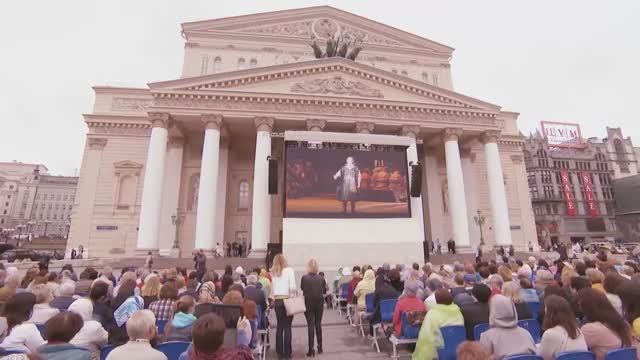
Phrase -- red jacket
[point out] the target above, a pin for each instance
(405, 304)
(352, 287)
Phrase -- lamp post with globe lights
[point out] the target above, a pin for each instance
(480, 219)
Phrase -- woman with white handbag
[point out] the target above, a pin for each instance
(286, 304)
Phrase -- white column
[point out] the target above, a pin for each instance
(497, 193)
(261, 209)
(222, 190)
(171, 194)
(471, 192)
(412, 157)
(149, 226)
(208, 190)
(457, 197)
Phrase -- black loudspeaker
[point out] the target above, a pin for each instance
(425, 250)
(273, 176)
(416, 180)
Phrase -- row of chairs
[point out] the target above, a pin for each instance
(629, 353)
(171, 349)
(531, 325)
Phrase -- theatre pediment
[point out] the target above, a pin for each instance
(324, 79)
(318, 22)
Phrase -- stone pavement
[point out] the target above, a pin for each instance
(340, 340)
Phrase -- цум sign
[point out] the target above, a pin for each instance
(560, 134)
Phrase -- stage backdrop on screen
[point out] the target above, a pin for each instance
(346, 180)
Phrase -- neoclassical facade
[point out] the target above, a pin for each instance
(182, 164)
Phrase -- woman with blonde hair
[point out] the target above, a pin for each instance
(42, 311)
(150, 291)
(283, 286)
(312, 286)
(512, 290)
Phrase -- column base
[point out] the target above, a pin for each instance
(257, 254)
(145, 252)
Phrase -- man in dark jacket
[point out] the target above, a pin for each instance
(384, 291)
(476, 313)
(252, 292)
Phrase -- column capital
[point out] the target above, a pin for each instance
(97, 143)
(410, 130)
(490, 136)
(263, 123)
(364, 127)
(316, 124)
(159, 119)
(451, 134)
(212, 121)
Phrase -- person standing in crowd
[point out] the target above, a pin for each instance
(283, 286)
(59, 331)
(148, 263)
(141, 328)
(208, 337)
(478, 312)
(530, 247)
(505, 337)
(201, 264)
(605, 329)
(92, 336)
(438, 246)
(444, 313)
(22, 336)
(312, 286)
(561, 331)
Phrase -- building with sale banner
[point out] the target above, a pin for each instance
(571, 182)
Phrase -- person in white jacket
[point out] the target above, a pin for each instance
(21, 336)
(92, 336)
(42, 311)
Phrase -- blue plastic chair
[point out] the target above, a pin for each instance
(576, 355)
(622, 354)
(105, 351)
(524, 357)
(387, 307)
(479, 329)
(160, 324)
(533, 327)
(260, 315)
(344, 291)
(452, 336)
(535, 308)
(408, 331)
(173, 349)
(368, 300)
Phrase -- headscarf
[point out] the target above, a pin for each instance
(346, 271)
(82, 307)
(368, 282)
(502, 312)
(128, 307)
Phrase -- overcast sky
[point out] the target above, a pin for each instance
(574, 61)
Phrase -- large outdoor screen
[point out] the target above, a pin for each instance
(337, 180)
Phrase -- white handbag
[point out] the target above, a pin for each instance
(295, 305)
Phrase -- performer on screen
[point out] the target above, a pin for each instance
(349, 184)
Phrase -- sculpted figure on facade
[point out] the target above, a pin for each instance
(336, 85)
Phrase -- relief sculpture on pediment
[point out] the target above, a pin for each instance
(336, 85)
(302, 28)
(130, 104)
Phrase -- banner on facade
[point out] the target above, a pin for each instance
(590, 198)
(560, 134)
(569, 199)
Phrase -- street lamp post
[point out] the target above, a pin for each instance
(68, 229)
(19, 235)
(480, 220)
(46, 224)
(176, 220)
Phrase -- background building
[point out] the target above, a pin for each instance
(51, 215)
(18, 183)
(584, 210)
(627, 192)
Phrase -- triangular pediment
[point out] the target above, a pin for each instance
(325, 78)
(318, 22)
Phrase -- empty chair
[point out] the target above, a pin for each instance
(452, 336)
(524, 357)
(479, 329)
(622, 354)
(576, 355)
(533, 327)
(173, 349)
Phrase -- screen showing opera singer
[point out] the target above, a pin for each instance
(339, 180)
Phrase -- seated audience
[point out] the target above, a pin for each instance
(150, 291)
(65, 297)
(92, 336)
(459, 286)
(597, 278)
(132, 304)
(383, 291)
(141, 327)
(179, 328)
(83, 286)
(191, 288)
(561, 331)
(357, 277)
(495, 283)
(605, 329)
(59, 330)
(208, 335)
(433, 285)
(444, 313)
(125, 290)
(511, 289)
(234, 297)
(527, 292)
(252, 292)
(101, 310)
(407, 303)
(612, 281)
(52, 282)
(630, 293)
(478, 312)
(505, 337)
(163, 308)
(42, 311)
(22, 336)
(11, 284)
(472, 350)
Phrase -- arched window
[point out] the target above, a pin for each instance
(243, 195)
(126, 192)
(425, 77)
(621, 155)
(242, 64)
(404, 73)
(217, 64)
(253, 63)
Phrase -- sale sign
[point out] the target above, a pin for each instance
(569, 199)
(590, 198)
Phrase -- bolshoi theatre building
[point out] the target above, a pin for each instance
(186, 163)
